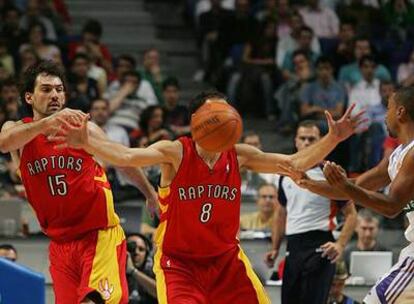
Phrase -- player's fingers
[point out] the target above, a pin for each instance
(329, 119)
(61, 146)
(348, 111)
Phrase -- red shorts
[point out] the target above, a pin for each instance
(226, 279)
(96, 262)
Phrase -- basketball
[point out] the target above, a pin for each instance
(216, 126)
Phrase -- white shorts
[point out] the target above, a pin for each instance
(397, 286)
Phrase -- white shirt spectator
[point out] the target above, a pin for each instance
(145, 91)
(50, 29)
(288, 44)
(205, 5)
(332, 4)
(324, 21)
(366, 96)
(405, 70)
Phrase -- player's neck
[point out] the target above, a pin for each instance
(210, 158)
(38, 116)
(406, 134)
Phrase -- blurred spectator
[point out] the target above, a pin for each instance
(140, 277)
(28, 58)
(304, 45)
(291, 42)
(288, 95)
(204, 6)
(83, 89)
(325, 93)
(152, 128)
(258, 71)
(336, 294)
(250, 181)
(6, 60)
(37, 42)
(57, 13)
(366, 95)
(405, 74)
(399, 17)
(323, 21)
(122, 188)
(308, 221)
(9, 95)
(8, 251)
(4, 74)
(130, 100)
(364, 15)
(33, 15)
(11, 31)
(123, 63)
(350, 74)
(152, 71)
(90, 44)
(149, 224)
(279, 12)
(176, 116)
(261, 219)
(344, 52)
(367, 231)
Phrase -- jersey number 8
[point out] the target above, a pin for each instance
(205, 214)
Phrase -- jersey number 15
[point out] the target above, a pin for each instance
(57, 185)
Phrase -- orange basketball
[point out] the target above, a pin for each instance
(216, 126)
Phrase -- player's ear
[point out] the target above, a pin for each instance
(28, 98)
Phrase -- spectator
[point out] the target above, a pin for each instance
(322, 94)
(6, 60)
(124, 63)
(290, 43)
(33, 15)
(9, 252)
(152, 71)
(152, 127)
(277, 11)
(323, 21)
(405, 74)
(399, 17)
(288, 95)
(350, 74)
(336, 294)
(140, 277)
(149, 224)
(266, 204)
(308, 222)
(250, 181)
(344, 52)
(122, 188)
(367, 231)
(130, 100)
(28, 58)
(366, 95)
(258, 70)
(91, 45)
(9, 95)
(83, 89)
(304, 45)
(366, 16)
(11, 31)
(176, 116)
(37, 42)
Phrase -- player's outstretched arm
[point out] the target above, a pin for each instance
(15, 135)
(400, 194)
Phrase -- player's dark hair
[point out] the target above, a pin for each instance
(201, 99)
(8, 247)
(405, 97)
(28, 82)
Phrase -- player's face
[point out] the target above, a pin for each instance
(48, 96)
(8, 254)
(306, 136)
(267, 199)
(140, 251)
(367, 231)
(390, 118)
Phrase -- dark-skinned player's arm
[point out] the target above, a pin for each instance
(339, 130)
(161, 152)
(374, 179)
(400, 194)
(135, 175)
(14, 135)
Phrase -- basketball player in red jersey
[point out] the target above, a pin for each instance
(198, 259)
(70, 195)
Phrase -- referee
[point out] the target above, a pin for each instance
(308, 219)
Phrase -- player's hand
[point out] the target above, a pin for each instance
(270, 258)
(152, 203)
(335, 175)
(345, 126)
(73, 134)
(333, 251)
(53, 123)
(295, 174)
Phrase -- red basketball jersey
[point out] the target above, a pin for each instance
(67, 189)
(200, 210)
